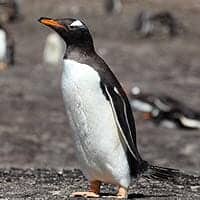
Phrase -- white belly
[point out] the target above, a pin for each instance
(2, 45)
(54, 48)
(100, 152)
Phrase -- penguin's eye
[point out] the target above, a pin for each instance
(72, 27)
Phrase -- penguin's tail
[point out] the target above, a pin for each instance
(160, 173)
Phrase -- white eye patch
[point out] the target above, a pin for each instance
(76, 23)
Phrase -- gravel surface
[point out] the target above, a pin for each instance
(52, 184)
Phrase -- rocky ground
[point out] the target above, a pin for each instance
(52, 184)
(34, 131)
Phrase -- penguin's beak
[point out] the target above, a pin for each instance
(51, 22)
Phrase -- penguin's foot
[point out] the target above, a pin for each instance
(92, 193)
(122, 193)
(147, 116)
(85, 194)
(3, 66)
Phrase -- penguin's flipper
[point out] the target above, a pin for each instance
(11, 53)
(123, 116)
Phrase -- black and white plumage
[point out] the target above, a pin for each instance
(149, 24)
(100, 114)
(113, 6)
(6, 49)
(54, 49)
(165, 110)
(9, 10)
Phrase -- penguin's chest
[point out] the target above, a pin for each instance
(95, 132)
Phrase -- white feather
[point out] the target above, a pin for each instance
(192, 123)
(168, 124)
(2, 45)
(76, 23)
(135, 90)
(99, 149)
(54, 49)
(141, 106)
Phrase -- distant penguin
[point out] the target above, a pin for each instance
(113, 6)
(148, 24)
(143, 24)
(9, 10)
(6, 49)
(54, 49)
(164, 110)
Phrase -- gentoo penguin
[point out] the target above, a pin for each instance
(54, 49)
(6, 49)
(113, 6)
(148, 24)
(164, 110)
(100, 114)
(9, 10)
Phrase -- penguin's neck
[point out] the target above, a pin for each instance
(77, 53)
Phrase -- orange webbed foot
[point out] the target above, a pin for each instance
(122, 193)
(92, 193)
(85, 194)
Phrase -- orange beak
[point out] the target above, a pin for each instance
(50, 22)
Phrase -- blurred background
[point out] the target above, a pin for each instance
(153, 44)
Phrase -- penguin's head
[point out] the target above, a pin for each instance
(73, 31)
